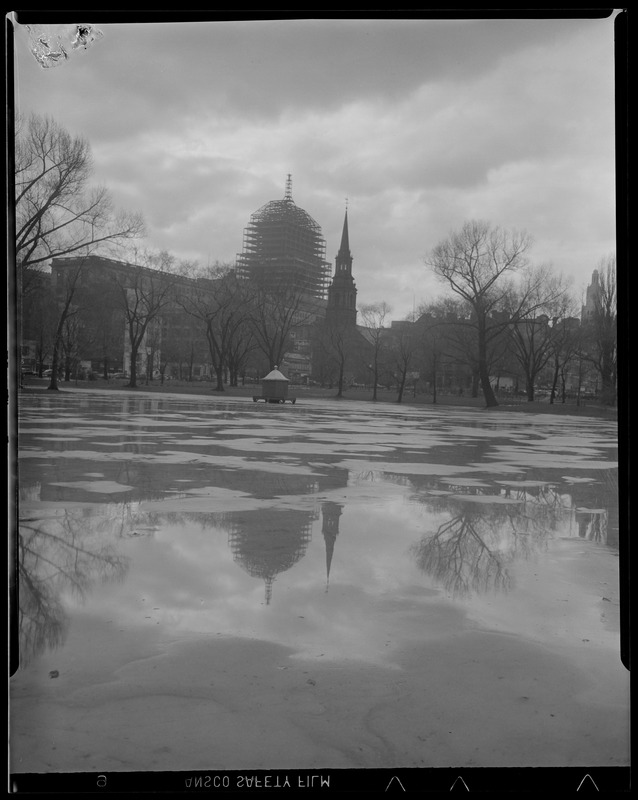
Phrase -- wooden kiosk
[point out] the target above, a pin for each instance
(274, 388)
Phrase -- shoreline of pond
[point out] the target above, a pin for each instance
(34, 385)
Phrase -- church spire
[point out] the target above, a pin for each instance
(344, 250)
(342, 292)
(288, 195)
(343, 261)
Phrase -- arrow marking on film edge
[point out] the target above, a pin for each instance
(394, 778)
(588, 776)
(462, 781)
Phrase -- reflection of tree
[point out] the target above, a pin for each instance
(592, 524)
(57, 554)
(464, 556)
(472, 551)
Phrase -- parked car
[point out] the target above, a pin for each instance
(119, 375)
(47, 373)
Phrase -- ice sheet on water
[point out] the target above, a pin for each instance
(524, 484)
(548, 460)
(173, 457)
(465, 482)
(255, 445)
(219, 501)
(101, 487)
(492, 499)
(403, 468)
(58, 438)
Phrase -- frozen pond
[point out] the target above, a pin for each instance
(221, 584)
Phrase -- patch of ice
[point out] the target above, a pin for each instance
(101, 487)
(222, 500)
(174, 457)
(496, 467)
(258, 445)
(402, 468)
(58, 438)
(524, 484)
(485, 498)
(466, 482)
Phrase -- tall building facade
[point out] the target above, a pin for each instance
(592, 298)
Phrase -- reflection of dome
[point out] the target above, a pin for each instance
(271, 541)
(284, 249)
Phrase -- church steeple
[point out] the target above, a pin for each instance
(342, 294)
(344, 257)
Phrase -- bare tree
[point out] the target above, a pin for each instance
(565, 343)
(600, 334)
(532, 334)
(432, 328)
(274, 315)
(480, 264)
(37, 315)
(144, 294)
(57, 213)
(476, 262)
(222, 306)
(66, 288)
(374, 316)
(402, 354)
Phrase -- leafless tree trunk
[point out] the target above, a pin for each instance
(475, 263)
(373, 317)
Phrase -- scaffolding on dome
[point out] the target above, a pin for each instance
(273, 546)
(283, 247)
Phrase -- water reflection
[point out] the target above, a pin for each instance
(464, 555)
(489, 528)
(268, 542)
(330, 513)
(220, 516)
(58, 555)
(592, 524)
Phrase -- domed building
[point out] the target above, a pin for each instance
(283, 247)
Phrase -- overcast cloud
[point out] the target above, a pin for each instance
(421, 124)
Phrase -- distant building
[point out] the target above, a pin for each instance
(284, 248)
(592, 298)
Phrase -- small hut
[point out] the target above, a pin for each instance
(274, 388)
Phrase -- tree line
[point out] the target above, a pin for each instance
(501, 315)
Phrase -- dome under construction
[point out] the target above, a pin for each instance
(284, 250)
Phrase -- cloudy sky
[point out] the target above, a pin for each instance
(421, 124)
